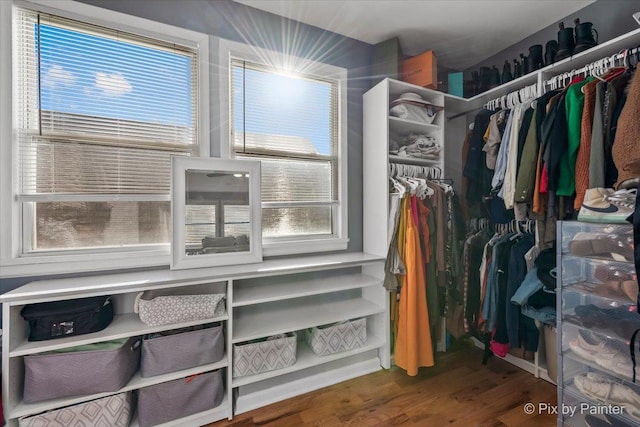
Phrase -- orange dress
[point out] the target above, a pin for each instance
(413, 346)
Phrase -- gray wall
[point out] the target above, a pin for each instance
(611, 18)
(236, 22)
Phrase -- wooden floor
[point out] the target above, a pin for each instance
(458, 392)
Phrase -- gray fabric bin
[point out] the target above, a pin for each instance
(110, 411)
(83, 370)
(177, 351)
(168, 401)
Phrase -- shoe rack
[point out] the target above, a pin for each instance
(597, 317)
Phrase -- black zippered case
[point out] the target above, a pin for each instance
(58, 319)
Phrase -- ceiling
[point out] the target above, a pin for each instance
(461, 32)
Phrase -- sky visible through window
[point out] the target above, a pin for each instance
(98, 76)
(278, 104)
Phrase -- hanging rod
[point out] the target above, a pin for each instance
(611, 59)
(603, 64)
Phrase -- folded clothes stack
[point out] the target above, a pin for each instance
(416, 146)
(411, 106)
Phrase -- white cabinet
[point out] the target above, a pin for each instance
(263, 299)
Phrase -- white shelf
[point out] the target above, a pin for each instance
(136, 382)
(256, 291)
(306, 358)
(275, 389)
(283, 316)
(218, 413)
(405, 126)
(57, 289)
(412, 160)
(122, 326)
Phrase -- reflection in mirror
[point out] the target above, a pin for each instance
(216, 212)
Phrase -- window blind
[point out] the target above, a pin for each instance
(100, 111)
(290, 122)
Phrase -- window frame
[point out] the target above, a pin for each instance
(13, 263)
(307, 243)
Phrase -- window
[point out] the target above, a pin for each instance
(98, 114)
(293, 123)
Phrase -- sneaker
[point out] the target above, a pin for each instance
(609, 393)
(619, 362)
(607, 205)
(589, 346)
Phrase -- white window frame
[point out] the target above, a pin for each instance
(12, 262)
(304, 244)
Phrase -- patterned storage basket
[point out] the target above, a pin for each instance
(338, 337)
(177, 305)
(273, 353)
(113, 411)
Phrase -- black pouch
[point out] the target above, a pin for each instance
(60, 319)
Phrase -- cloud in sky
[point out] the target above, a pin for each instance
(56, 74)
(112, 84)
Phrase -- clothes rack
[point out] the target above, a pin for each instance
(520, 96)
(595, 68)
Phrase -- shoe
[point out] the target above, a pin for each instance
(623, 290)
(588, 347)
(607, 205)
(618, 362)
(603, 390)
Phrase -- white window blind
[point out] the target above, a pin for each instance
(290, 122)
(99, 114)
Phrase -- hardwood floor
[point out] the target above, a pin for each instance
(459, 392)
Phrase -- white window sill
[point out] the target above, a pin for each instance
(32, 266)
(295, 247)
(69, 264)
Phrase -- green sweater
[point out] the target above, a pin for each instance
(574, 102)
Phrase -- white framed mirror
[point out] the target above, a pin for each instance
(216, 212)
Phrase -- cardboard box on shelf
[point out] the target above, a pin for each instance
(421, 70)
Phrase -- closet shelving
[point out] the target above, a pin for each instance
(263, 299)
(579, 281)
(379, 127)
(125, 324)
(538, 78)
(608, 48)
(276, 305)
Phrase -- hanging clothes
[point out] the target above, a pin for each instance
(626, 148)
(413, 346)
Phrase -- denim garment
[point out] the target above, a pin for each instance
(530, 285)
(501, 162)
(517, 273)
(544, 314)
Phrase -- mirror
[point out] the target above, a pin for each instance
(216, 212)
